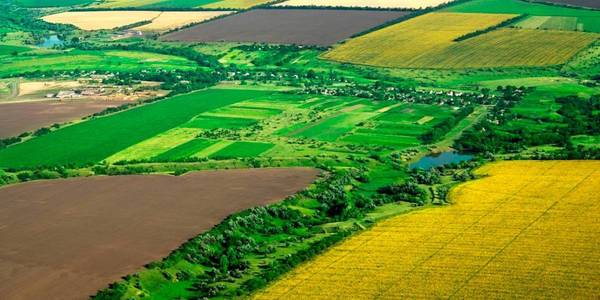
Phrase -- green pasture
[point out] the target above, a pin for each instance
(242, 150)
(589, 19)
(109, 61)
(334, 127)
(11, 50)
(51, 3)
(206, 122)
(99, 138)
(186, 150)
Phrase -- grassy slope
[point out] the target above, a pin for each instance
(94, 140)
(52, 3)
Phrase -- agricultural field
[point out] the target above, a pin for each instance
(229, 149)
(21, 117)
(589, 19)
(579, 3)
(212, 4)
(523, 217)
(80, 60)
(116, 132)
(286, 26)
(168, 210)
(157, 20)
(96, 20)
(54, 3)
(429, 42)
(412, 4)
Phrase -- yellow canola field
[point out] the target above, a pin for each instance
(428, 42)
(414, 4)
(161, 21)
(529, 230)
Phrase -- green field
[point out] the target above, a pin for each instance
(109, 61)
(53, 3)
(184, 151)
(589, 19)
(242, 150)
(12, 50)
(228, 4)
(97, 139)
(205, 122)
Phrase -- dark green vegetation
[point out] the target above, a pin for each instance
(280, 105)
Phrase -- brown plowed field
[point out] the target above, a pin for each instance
(16, 118)
(582, 3)
(286, 26)
(65, 239)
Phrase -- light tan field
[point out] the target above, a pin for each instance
(175, 19)
(415, 4)
(35, 87)
(96, 20)
(236, 4)
(529, 230)
(161, 21)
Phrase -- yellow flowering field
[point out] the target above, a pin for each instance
(529, 229)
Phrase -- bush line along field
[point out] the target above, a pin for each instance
(524, 217)
(428, 42)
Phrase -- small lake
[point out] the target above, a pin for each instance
(51, 41)
(440, 159)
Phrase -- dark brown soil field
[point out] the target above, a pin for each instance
(66, 239)
(582, 3)
(16, 118)
(286, 26)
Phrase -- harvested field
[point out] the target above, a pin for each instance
(65, 239)
(529, 230)
(175, 19)
(34, 87)
(428, 42)
(160, 21)
(96, 20)
(413, 4)
(581, 3)
(286, 26)
(17, 118)
(235, 4)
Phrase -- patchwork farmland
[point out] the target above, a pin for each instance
(589, 19)
(169, 210)
(286, 26)
(429, 41)
(299, 149)
(412, 4)
(488, 243)
(222, 4)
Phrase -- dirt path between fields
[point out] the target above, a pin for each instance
(66, 239)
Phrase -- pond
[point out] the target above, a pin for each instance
(51, 41)
(440, 159)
